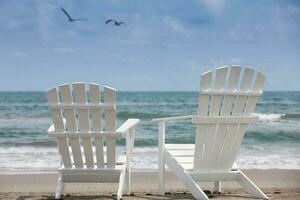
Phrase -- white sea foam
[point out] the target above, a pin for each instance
(268, 117)
(256, 157)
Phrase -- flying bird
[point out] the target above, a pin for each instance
(70, 18)
(117, 23)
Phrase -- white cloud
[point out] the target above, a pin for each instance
(45, 16)
(176, 26)
(216, 6)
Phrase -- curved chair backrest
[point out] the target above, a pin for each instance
(227, 100)
(79, 125)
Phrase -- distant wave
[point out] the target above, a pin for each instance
(268, 116)
(39, 143)
(274, 116)
(141, 115)
(291, 116)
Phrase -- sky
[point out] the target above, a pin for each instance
(165, 45)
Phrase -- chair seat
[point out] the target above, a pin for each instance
(183, 154)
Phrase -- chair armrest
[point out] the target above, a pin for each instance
(126, 126)
(128, 129)
(182, 117)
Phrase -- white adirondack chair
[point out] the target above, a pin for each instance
(226, 103)
(86, 136)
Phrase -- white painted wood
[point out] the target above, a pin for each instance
(56, 114)
(236, 145)
(257, 87)
(121, 184)
(129, 148)
(95, 97)
(231, 86)
(110, 120)
(226, 105)
(89, 106)
(127, 125)
(231, 93)
(185, 177)
(205, 84)
(91, 178)
(180, 146)
(69, 114)
(58, 125)
(211, 129)
(249, 109)
(79, 132)
(181, 153)
(84, 126)
(217, 186)
(59, 187)
(184, 117)
(206, 81)
(250, 187)
(225, 119)
(161, 158)
(102, 134)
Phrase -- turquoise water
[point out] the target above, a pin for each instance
(274, 142)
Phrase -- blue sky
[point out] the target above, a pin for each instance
(165, 45)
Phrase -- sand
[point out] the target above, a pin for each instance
(277, 184)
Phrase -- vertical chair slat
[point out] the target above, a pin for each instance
(110, 118)
(233, 130)
(249, 109)
(232, 85)
(205, 83)
(209, 152)
(56, 114)
(66, 97)
(96, 123)
(257, 87)
(83, 117)
(57, 118)
(226, 110)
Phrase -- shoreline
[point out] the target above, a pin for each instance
(276, 183)
(44, 180)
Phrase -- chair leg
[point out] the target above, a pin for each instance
(59, 187)
(217, 186)
(161, 158)
(128, 181)
(161, 177)
(185, 178)
(121, 183)
(250, 187)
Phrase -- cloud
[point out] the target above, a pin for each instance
(63, 50)
(176, 26)
(15, 16)
(45, 17)
(216, 6)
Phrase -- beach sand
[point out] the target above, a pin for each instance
(277, 184)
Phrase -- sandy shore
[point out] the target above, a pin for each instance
(277, 184)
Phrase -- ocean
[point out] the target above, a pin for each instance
(273, 142)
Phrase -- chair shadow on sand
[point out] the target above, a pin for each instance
(168, 196)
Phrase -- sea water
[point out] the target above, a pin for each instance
(273, 142)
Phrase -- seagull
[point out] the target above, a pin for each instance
(117, 23)
(70, 18)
